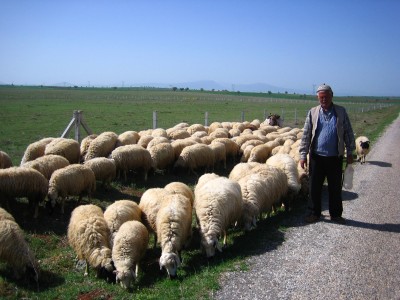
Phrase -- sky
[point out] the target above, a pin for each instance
(352, 45)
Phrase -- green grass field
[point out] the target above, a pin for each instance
(28, 114)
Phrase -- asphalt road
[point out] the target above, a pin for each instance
(325, 260)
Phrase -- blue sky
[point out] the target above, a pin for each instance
(352, 45)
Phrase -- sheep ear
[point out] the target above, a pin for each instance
(218, 246)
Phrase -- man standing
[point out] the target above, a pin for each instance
(327, 131)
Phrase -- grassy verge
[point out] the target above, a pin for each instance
(29, 114)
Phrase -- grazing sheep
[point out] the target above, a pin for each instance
(104, 169)
(102, 146)
(5, 160)
(145, 140)
(159, 132)
(241, 170)
(195, 128)
(5, 215)
(89, 236)
(179, 145)
(362, 148)
(149, 204)
(47, 164)
(287, 164)
(130, 245)
(23, 182)
(15, 251)
(195, 157)
(262, 191)
(174, 229)
(85, 143)
(73, 180)
(162, 155)
(132, 158)
(232, 148)
(218, 204)
(177, 187)
(127, 138)
(68, 148)
(120, 212)
(178, 134)
(35, 150)
(219, 151)
(157, 140)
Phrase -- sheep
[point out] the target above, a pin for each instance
(219, 151)
(144, 140)
(120, 212)
(84, 146)
(15, 251)
(262, 191)
(162, 155)
(218, 204)
(195, 128)
(23, 182)
(47, 164)
(132, 158)
(35, 150)
(286, 163)
(260, 153)
(241, 169)
(5, 160)
(73, 180)
(127, 138)
(232, 148)
(213, 126)
(177, 134)
(362, 148)
(5, 215)
(89, 237)
(220, 133)
(149, 204)
(102, 146)
(177, 187)
(178, 145)
(104, 169)
(68, 148)
(159, 132)
(129, 248)
(157, 140)
(174, 230)
(194, 157)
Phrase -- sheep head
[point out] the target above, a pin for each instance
(209, 244)
(125, 278)
(171, 262)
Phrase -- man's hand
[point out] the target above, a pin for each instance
(303, 163)
(349, 159)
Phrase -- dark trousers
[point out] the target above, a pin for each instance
(322, 167)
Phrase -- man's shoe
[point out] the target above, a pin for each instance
(312, 219)
(339, 220)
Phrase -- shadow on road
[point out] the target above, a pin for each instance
(379, 163)
(388, 227)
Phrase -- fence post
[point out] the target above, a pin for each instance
(242, 116)
(265, 114)
(154, 119)
(77, 116)
(206, 118)
(295, 117)
(76, 121)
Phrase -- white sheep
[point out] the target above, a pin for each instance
(89, 237)
(162, 156)
(241, 169)
(5, 215)
(15, 251)
(104, 169)
(73, 180)
(35, 150)
(177, 187)
(23, 182)
(145, 140)
(120, 212)
(5, 160)
(179, 145)
(218, 204)
(262, 192)
(177, 134)
(195, 128)
(68, 148)
(287, 164)
(127, 138)
(85, 143)
(174, 230)
(231, 147)
(47, 164)
(149, 204)
(195, 157)
(219, 151)
(362, 148)
(260, 153)
(130, 245)
(102, 145)
(132, 158)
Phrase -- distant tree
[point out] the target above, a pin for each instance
(202, 89)
(182, 89)
(269, 92)
(174, 88)
(187, 89)
(286, 92)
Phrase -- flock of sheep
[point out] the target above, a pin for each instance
(114, 241)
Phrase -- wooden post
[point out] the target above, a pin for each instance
(76, 121)
(154, 119)
(206, 118)
(242, 117)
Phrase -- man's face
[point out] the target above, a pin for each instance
(325, 99)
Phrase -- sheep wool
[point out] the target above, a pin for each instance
(18, 182)
(15, 251)
(104, 169)
(129, 248)
(174, 229)
(127, 138)
(47, 164)
(162, 156)
(68, 148)
(102, 145)
(218, 204)
(120, 212)
(5, 215)
(195, 157)
(177, 187)
(5, 160)
(35, 150)
(85, 143)
(73, 180)
(89, 236)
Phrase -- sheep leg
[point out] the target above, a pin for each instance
(225, 239)
(86, 269)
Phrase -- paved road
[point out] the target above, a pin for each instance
(359, 260)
